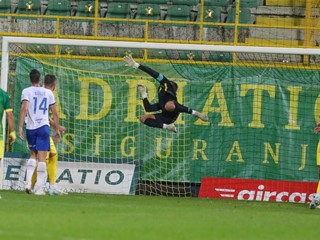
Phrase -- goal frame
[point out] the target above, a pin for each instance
(6, 41)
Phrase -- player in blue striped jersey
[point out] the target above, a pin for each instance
(36, 101)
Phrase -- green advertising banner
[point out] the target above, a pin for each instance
(260, 126)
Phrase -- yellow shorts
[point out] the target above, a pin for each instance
(1, 149)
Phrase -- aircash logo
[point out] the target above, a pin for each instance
(258, 190)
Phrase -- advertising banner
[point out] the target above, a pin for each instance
(258, 190)
(108, 178)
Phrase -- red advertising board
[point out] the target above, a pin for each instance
(257, 190)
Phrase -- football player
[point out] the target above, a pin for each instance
(167, 103)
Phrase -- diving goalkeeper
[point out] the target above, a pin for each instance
(168, 104)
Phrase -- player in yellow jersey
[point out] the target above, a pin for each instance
(5, 107)
(316, 200)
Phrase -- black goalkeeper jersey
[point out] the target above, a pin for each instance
(166, 93)
(166, 90)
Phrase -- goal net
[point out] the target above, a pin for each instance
(262, 105)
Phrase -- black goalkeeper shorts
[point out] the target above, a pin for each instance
(166, 117)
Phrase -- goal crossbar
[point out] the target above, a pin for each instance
(149, 45)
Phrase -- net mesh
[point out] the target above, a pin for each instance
(262, 110)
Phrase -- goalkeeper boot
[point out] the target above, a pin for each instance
(171, 127)
(142, 89)
(201, 116)
(315, 202)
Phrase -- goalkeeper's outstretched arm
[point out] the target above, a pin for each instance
(132, 63)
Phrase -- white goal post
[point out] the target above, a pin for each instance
(149, 45)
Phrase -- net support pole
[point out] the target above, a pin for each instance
(4, 64)
(307, 39)
(4, 86)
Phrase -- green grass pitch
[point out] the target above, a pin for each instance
(116, 217)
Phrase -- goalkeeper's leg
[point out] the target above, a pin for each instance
(175, 106)
(158, 121)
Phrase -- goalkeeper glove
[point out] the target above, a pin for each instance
(143, 90)
(12, 137)
(130, 62)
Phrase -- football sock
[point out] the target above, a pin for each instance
(41, 174)
(318, 151)
(52, 168)
(153, 123)
(34, 177)
(181, 108)
(165, 126)
(31, 165)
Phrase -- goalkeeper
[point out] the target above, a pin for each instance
(168, 104)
